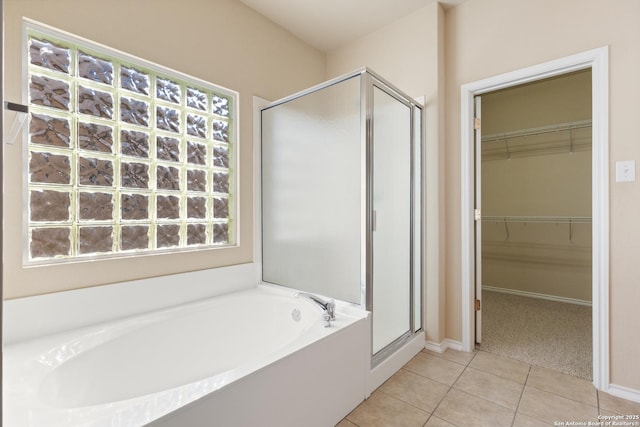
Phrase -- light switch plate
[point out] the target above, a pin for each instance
(626, 171)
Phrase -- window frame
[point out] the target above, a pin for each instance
(118, 58)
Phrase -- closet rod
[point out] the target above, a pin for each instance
(545, 219)
(536, 131)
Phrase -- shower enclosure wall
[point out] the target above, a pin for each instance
(341, 198)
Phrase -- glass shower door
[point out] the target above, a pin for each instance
(391, 218)
(312, 195)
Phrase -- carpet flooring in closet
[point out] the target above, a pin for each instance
(550, 334)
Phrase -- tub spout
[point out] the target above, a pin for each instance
(328, 307)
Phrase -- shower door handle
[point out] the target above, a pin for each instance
(374, 220)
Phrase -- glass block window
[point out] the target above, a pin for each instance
(123, 156)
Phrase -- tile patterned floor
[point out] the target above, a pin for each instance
(458, 389)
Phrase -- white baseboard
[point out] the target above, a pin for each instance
(536, 295)
(624, 392)
(443, 346)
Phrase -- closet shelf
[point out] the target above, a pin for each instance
(537, 131)
(559, 138)
(546, 219)
(506, 220)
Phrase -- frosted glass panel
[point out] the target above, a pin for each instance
(392, 206)
(417, 219)
(311, 192)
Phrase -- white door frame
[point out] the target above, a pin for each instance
(598, 61)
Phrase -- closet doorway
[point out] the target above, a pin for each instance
(533, 239)
(597, 61)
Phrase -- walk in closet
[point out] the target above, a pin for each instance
(536, 221)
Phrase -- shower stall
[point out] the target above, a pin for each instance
(341, 200)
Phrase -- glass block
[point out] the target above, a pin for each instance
(196, 153)
(221, 157)
(168, 90)
(95, 172)
(49, 130)
(44, 53)
(168, 149)
(220, 207)
(134, 237)
(50, 242)
(220, 183)
(49, 168)
(95, 137)
(168, 207)
(134, 111)
(220, 130)
(196, 125)
(96, 69)
(48, 205)
(96, 239)
(220, 105)
(220, 233)
(96, 206)
(196, 99)
(196, 180)
(196, 207)
(49, 92)
(167, 119)
(95, 102)
(134, 206)
(134, 80)
(196, 234)
(134, 143)
(167, 235)
(167, 178)
(134, 175)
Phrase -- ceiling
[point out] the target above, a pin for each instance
(327, 24)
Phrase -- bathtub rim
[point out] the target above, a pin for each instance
(78, 308)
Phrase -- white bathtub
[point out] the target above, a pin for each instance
(254, 357)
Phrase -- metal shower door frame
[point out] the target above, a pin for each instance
(369, 80)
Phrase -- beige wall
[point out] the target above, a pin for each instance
(489, 37)
(555, 100)
(409, 53)
(548, 258)
(220, 41)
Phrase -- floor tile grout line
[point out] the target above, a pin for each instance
(483, 398)
(434, 416)
(567, 397)
(432, 379)
(441, 356)
(449, 391)
(440, 403)
(524, 386)
(531, 367)
(450, 387)
(495, 375)
(472, 395)
(403, 401)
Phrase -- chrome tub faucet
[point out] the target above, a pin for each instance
(328, 307)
